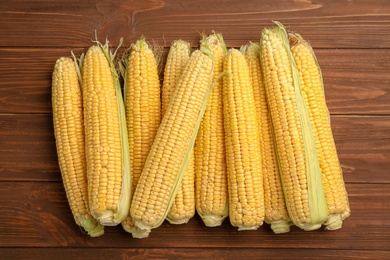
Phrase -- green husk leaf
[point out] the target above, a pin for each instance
(78, 62)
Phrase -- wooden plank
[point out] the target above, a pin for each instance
(363, 145)
(185, 253)
(36, 214)
(27, 148)
(25, 74)
(356, 81)
(73, 23)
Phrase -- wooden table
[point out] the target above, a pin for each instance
(351, 40)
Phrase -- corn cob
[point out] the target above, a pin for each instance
(69, 134)
(296, 151)
(314, 95)
(183, 208)
(171, 149)
(275, 207)
(108, 169)
(143, 111)
(243, 158)
(210, 164)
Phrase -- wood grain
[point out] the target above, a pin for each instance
(188, 253)
(356, 81)
(27, 148)
(328, 24)
(36, 214)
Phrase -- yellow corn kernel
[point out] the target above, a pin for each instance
(314, 95)
(275, 207)
(69, 134)
(171, 149)
(242, 138)
(210, 164)
(183, 208)
(108, 169)
(143, 111)
(296, 153)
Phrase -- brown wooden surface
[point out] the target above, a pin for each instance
(352, 43)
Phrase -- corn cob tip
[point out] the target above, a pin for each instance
(205, 48)
(179, 42)
(295, 39)
(279, 25)
(213, 40)
(110, 55)
(141, 43)
(78, 62)
(334, 222)
(212, 220)
(92, 227)
(281, 226)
